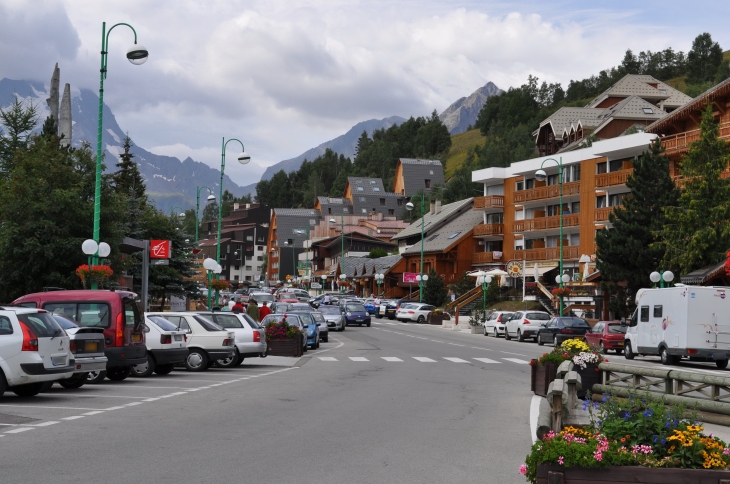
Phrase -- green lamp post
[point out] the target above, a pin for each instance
(421, 278)
(210, 198)
(661, 277)
(379, 280)
(137, 55)
(342, 238)
(243, 158)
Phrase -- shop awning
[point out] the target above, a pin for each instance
(541, 269)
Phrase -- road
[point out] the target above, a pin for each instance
(395, 402)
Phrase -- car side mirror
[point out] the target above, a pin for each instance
(623, 321)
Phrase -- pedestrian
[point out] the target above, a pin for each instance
(237, 307)
(452, 295)
(253, 310)
(224, 302)
(264, 311)
(326, 299)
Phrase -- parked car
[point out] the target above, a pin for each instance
(382, 309)
(417, 312)
(355, 313)
(250, 339)
(324, 331)
(34, 351)
(496, 322)
(333, 316)
(292, 320)
(391, 307)
(87, 346)
(207, 341)
(292, 293)
(559, 329)
(260, 297)
(311, 327)
(370, 307)
(316, 301)
(607, 335)
(167, 346)
(116, 312)
(525, 324)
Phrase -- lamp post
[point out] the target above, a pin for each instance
(486, 280)
(661, 277)
(409, 206)
(324, 282)
(562, 280)
(342, 278)
(217, 271)
(210, 198)
(342, 238)
(92, 249)
(209, 265)
(379, 280)
(243, 158)
(137, 55)
(302, 232)
(172, 211)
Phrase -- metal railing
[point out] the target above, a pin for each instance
(489, 201)
(551, 191)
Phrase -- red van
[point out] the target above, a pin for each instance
(117, 312)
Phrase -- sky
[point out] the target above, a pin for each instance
(286, 76)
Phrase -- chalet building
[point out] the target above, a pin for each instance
(635, 101)
(416, 175)
(368, 196)
(360, 272)
(287, 239)
(326, 253)
(433, 221)
(333, 206)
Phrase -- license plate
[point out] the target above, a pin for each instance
(58, 360)
(178, 337)
(136, 337)
(91, 346)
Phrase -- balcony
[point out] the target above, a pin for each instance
(482, 230)
(490, 201)
(551, 253)
(614, 178)
(552, 191)
(545, 223)
(485, 257)
(680, 142)
(601, 214)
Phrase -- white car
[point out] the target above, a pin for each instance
(525, 324)
(167, 346)
(250, 337)
(87, 346)
(34, 351)
(207, 342)
(417, 312)
(496, 322)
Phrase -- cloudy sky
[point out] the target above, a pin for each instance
(285, 76)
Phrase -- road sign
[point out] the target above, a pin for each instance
(159, 262)
(159, 249)
(315, 285)
(409, 277)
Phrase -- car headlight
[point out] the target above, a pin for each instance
(349, 315)
(310, 332)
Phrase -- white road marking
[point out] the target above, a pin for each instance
(113, 408)
(75, 417)
(479, 348)
(42, 406)
(46, 424)
(508, 353)
(486, 360)
(391, 358)
(327, 358)
(423, 359)
(105, 396)
(151, 400)
(97, 412)
(455, 360)
(18, 430)
(133, 404)
(358, 358)
(517, 360)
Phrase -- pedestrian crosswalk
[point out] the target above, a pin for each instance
(423, 359)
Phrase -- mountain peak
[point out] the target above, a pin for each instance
(464, 112)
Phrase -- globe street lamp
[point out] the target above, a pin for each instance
(181, 214)
(92, 249)
(342, 279)
(379, 280)
(342, 239)
(486, 280)
(661, 277)
(210, 198)
(421, 278)
(217, 271)
(209, 265)
(409, 207)
(243, 158)
(303, 232)
(562, 280)
(324, 282)
(137, 55)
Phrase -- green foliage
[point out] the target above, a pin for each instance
(16, 125)
(632, 249)
(128, 179)
(463, 285)
(434, 291)
(377, 253)
(703, 60)
(697, 232)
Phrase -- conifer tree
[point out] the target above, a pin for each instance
(434, 291)
(128, 179)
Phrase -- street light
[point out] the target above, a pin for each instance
(137, 55)
(661, 277)
(210, 198)
(324, 281)
(209, 265)
(486, 280)
(421, 279)
(342, 239)
(243, 158)
(379, 280)
(217, 271)
(342, 278)
(561, 280)
(409, 207)
(540, 175)
(302, 232)
(181, 214)
(92, 250)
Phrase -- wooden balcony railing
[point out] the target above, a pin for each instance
(545, 223)
(483, 258)
(552, 191)
(488, 229)
(490, 201)
(601, 214)
(680, 142)
(614, 178)
(551, 253)
(680, 181)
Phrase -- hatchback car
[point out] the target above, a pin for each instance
(333, 316)
(496, 322)
(324, 331)
(355, 313)
(417, 312)
(559, 329)
(369, 305)
(250, 337)
(525, 324)
(167, 346)
(311, 328)
(607, 335)
(87, 346)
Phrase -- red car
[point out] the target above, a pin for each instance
(607, 335)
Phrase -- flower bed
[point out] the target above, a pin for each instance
(282, 339)
(583, 357)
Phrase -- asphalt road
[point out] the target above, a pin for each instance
(395, 402)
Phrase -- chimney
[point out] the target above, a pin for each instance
(433, 208)
(438, 207)
(235, 206)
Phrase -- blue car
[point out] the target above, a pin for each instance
(370, 306)
(355, 313)
(311, 328)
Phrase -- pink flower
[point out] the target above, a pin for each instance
(550, 435)
(598, 455)
(560, 460)
(523, 469)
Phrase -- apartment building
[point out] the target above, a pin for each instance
(287, 239)
(414, 175)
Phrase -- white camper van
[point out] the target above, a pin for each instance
(681, 322)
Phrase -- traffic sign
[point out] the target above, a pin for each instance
(315, 285)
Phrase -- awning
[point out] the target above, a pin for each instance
(704, 275)
(541, 270)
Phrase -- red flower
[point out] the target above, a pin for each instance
(565, 355)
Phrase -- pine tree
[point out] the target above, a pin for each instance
(16, 126)
(703, 60)
(128, 178)
(434, 291)
(632, 249)
(697, 233)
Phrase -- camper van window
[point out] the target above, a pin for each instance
(657, 311)
(644, 314)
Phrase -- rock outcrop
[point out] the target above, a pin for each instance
(464, 112)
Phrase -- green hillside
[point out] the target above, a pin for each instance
(460, 145)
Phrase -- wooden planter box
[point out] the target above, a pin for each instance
(541, 377)
(588, 377)
(633, 474)
(436, 318)
(285, 347)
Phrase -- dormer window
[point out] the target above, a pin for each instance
(648, 110)
(359, 189)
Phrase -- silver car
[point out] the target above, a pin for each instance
(324, 330)
(333, 316)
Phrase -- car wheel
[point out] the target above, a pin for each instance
(496, 335)
(28, 390)
(618, 352)
(240, 360)
(119, 374)
(539, 340)
(3, 384)
(628, 352)
(506, 334)
(95, 376)
(229, 362)
(306, 348)
(555, 340)
(666, 358)
(421, 319)
(367, 324)
(601, 348)
(144, 369)
(76, 381)
(486, 332)
(721, 364)
(164, 369)
(520, 336)
(326, 339)
(197, 360)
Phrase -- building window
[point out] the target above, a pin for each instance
(235, 278)
(600, 202)
(248, 257)
(260, 257)
(362, 199)
(552, 180)
(248, 268)
(345, 210)
(260, 248)
(364, 210)
(359, 189)
(249, 238)
(248, 278)
(519, 186)
(400, 202)
(428, 183)
(237, 267)
(258, 268)
(575, 207)
(615, 200)
(329, 210)
(382, 202)
(430, 172)
(290, 242)
(601, 168)
(615, 165)
(391, 211)
(648, 111)
(530, 183)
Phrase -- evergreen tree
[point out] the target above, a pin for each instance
(697, 233)
(632, 249)
(128, 179)
(434, 291)
(377, 253)
(16, 125)
(703, 60)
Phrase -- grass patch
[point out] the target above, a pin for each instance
(460, 145)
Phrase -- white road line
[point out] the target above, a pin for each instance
(423, 359)
(113, 408)
(517, 360)
(479, 348)
(97, 412)
(508, 353)
(456, 360)
(327, 358)
(75, 417)
(102, 396)
(391, 358)
(46, 424)
(18, 430)
(358, 358)
(133, 404)
(161, 388)
(43, 406)
(151, 400)
(486, 360)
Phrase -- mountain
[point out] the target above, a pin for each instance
(343, 145)
(463, 113)
(170, 182)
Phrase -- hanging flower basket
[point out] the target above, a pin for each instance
(218, 285)
(90, 274)
(562, 292)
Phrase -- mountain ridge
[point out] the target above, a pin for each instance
(463, 113)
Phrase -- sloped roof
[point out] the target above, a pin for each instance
(352, 264)
(449, 234)
(564, 117)
(290, 219)
(704, 275)
(416, 171)
(639, 85)
(695, 104)
(334, 201)
(633, 107)
(370, 186)
(432, 221)
(296, 212)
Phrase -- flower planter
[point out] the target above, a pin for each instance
(633, 474)
(285, 347)
(436, 319)
(477, 329)
(588, 377)
(541, 377)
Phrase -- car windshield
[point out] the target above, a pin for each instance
(538, 316)
(207, 324)
(617, 329)
(163, 323)
(229, 321)
(355, 308)
(329, 310)
(319, 317)
(300, 307)
(306, 318)
(261, 296)
(65, 323)
(42, 324)
(575, 322)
